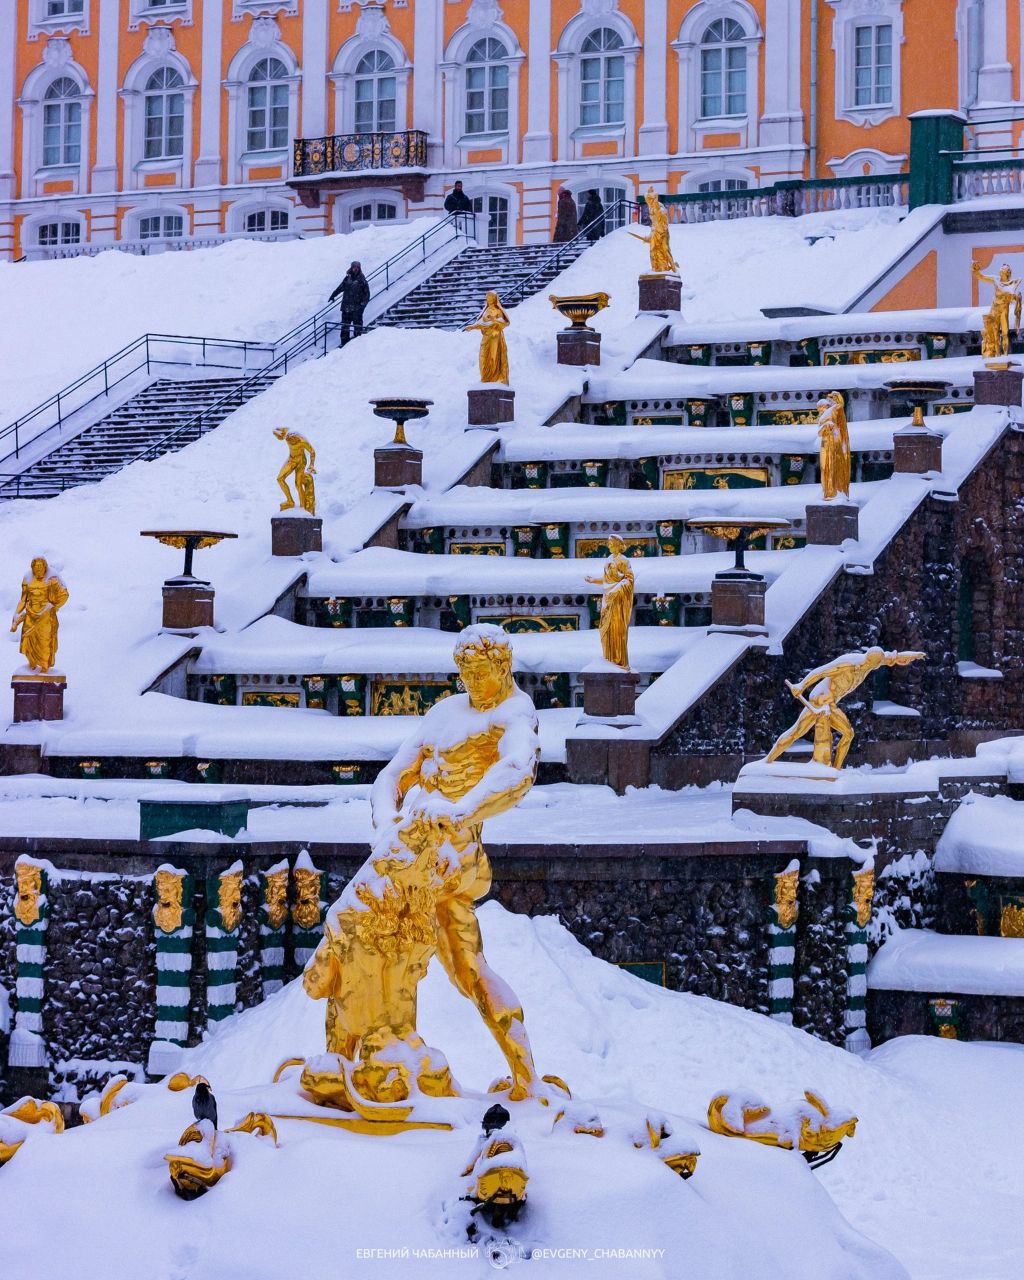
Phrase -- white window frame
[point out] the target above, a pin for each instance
(65, 101)
(166, 94)
(494, 74)
(601, 182)
(872, 39)
(132, 228)
(343, 77)
(136, 165)
(457, 143)
(602, 57)
(376, 76)
(733, 41)
(693, 125)
(240, 159)
(272, 84)
(848, 16)
(36, 175)
(572, 134)
(145, 12)
(717, 173)
(41, 22)
(482, 187)
(345, 205)
(55, 213)
(261, 203)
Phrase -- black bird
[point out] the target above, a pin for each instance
(495, 1117)
(204, 1104)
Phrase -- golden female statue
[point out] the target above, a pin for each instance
(491, 323)
(473, 755)
(834, 436)
(42, 594)
(821, 712)
(996, 333)
(616, 604)
(298, 448)
(658, 241)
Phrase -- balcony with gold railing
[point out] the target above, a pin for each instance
(342, 161)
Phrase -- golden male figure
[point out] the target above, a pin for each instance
(616, 604)
(42, 594)
(472, 756)
(298, 449)
(658, 241)
(1007, 295)
(828, 686)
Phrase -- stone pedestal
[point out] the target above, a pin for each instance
(490, 405)
(609, 693)
(915, 452)
(38, 697)
(578, 346)
(610, 762)
(738, 602)
(188, 604)
(998, 386)
(660, 292)
(830, 523)
(295, 535)
(396, 465)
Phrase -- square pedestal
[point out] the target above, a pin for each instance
(579, 346)
(295, 535)
(830, 523)
(998, 386)
(397, 465)
(915, 452)
(490, 405)
(609, 762)
(187, 605)
(660, 292)
(38, 697)
(609, 693)
(738, 602)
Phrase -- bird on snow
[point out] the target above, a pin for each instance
(204, 1104)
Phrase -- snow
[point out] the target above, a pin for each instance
(982, 838)
(940, 964)
(866, 324)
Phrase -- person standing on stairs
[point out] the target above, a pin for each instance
(566, 223)
(457, 202)
(355, 294)
(592, 218)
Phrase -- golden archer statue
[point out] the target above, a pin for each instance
(491, 323)
(821, 712)
(298, 448)
(616, 604)
(658, 241)
(42, 594)
(834, 436)
(996, 333)
(473, 755)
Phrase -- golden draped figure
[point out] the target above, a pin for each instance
(995, 339)
(616, 604)
(658, 241)
(472, 756)
(297, 466)
(42, 594)
(491, 324)
(834, 437)
(821, 713)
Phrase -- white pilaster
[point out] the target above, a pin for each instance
(8, 96)
(314, 69)
(653, 138)
(537, 142)
(995, 79)
(208, 165)
(427, 96)
(782, 122)
(104, 174)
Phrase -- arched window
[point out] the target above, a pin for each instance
(724, 184)
(723, 70)
(375, 93)
(62, 123)
(267, 119)
(602, 78)
(497, 210)
(165, 115)
(614, 214)
(260, 221)
(487, 87)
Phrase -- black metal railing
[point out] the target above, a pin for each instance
(353, 152)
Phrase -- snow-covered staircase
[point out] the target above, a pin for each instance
(165, 416)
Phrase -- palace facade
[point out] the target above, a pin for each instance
(151, 122)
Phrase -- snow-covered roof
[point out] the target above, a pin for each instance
(948, 964)
(983, 838)
(795, 328)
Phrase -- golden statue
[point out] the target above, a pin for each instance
(810, 1127)
(996, 332)
(616, 604)
(834, 436)
(821, 712)
(658, 241)
(42, 594)
(298, 448)
(169, 911)
(28, 877)
(472, 756)
(491, 323)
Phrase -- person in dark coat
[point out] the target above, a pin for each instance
(456, 201)
(566, 223)
(592, 218)
(204, 1104)
(355, 294)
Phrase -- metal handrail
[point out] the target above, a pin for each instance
(460, 224)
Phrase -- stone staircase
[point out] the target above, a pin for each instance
(453, 296)
(124, 434)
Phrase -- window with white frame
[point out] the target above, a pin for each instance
(373, 211)
(487, 87)
(267, 106)
(602, 78)
(64, 8)
(614, 213)
(261, 220)
(723, 70)
(872, 65)
(375, 93)
(50, 235)
(164, 99)
(161, 226)
(724, 184)
(62, 123)
(496, 209)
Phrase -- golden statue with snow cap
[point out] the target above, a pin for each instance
(472, 756)
(995, 339)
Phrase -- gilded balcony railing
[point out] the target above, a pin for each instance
(353, 152)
